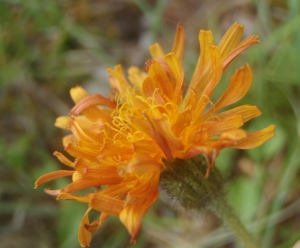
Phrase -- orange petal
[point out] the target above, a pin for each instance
(162, 126)
(240, 48)
(55, 192)
(239, 85)
(92, 113)
(121, 188)
(160, 141)
(78, 93)
(195, 151)
(160, 78)
(136, 76)
(52, 175)
(91, 101)
(235, 135)
(256, 139)
(150, 90)
(95, 114)
(132, 220)
(132, 215)
(68, 196)
(156, 51)
(247, 112)
(81, 135)
(87, 168)
(74, 151)
(90, 149)
(218, 127)
(204, 62)
(142, 147)
(183, 120)
(93, 227)
(84, 235)
(76, 176)
(178, 44)
(178, 74)
(231, 39)
(121, 83)
(82, 164)
(106, 204)
(68, 139)
(63, 159)
(91, 181)
(189, 101)
(63, 122)
(217, 71)
(140, 165)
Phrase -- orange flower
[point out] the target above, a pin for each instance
(121, 142)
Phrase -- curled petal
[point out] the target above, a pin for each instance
(256, 139)
(91, 101)
(77, 94)
(63, 159)
(55, 192)
(93, 227)
(52, 175)
(84, 235)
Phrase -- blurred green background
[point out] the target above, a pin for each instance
(47, 47)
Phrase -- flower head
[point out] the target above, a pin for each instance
(120, 143)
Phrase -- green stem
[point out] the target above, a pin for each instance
(185, 182)
(220, 207)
